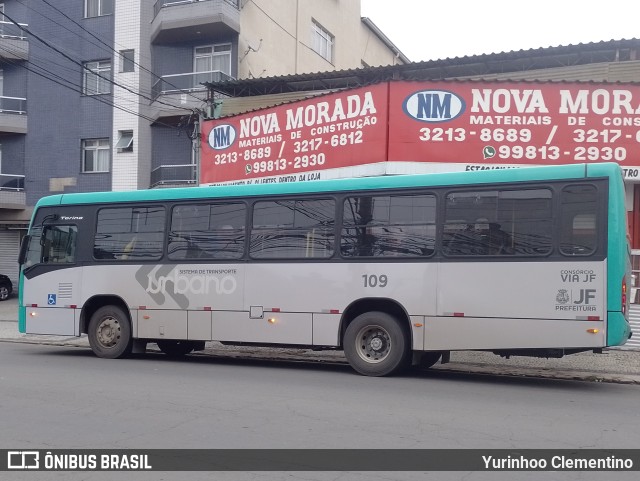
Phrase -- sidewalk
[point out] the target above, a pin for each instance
(614, 365)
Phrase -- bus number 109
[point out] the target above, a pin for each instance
(374, 280)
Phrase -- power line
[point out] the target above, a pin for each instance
(108, 47)
(83, 66)
(52, 77)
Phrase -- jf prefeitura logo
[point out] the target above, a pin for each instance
(580, 293)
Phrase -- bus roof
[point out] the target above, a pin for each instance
(524, 174)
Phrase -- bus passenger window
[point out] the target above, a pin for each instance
(293, 229)
(498, 223)
(389, 226)
(578, 220)
(207, 231)
(129, 233)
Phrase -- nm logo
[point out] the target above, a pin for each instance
(433, 106)
(222, 136)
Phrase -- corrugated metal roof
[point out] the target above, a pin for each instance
(238, 105)
(450, 68)
(231, 106)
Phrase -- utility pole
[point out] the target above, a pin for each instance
(197, 125)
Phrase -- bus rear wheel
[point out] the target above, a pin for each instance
(110, 333)
(176, 348)
(375, 344)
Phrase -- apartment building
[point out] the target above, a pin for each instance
(101, 95)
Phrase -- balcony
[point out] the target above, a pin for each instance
(188, 20)
(13, 42)
(181, 175)
(13, 115)
(179, 94)
(12, 195)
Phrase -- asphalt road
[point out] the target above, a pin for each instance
(55, 397)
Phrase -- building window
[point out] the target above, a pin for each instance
(95, 155)
(96, 78)
(125, 141)
(322, 41)
(209, 60)
(127, 61)
(97, 8)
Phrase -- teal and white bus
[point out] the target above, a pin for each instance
(392, 270)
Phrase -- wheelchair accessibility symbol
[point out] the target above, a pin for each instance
(51, 299)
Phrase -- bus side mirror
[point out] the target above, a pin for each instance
(24, 247)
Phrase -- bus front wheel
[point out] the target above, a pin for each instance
(110, 333)
(375, 344)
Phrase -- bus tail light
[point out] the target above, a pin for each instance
(624, 295)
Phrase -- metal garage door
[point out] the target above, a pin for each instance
(9, 250)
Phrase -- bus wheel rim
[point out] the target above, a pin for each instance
(108, 332)
(373, 344)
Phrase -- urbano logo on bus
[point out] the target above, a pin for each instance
(222, 136)
(188, 283)
(181, 283)
(434, 106)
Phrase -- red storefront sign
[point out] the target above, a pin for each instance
(514, 123)
(334, 131)
(405, 127)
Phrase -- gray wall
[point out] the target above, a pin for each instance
(59, 115)
(169, 147)
(15, 85)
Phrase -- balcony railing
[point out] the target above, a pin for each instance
(11, 182)
(187, 82)
(11, 30)
(13, 105)
(171, 175)
(160, 4)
